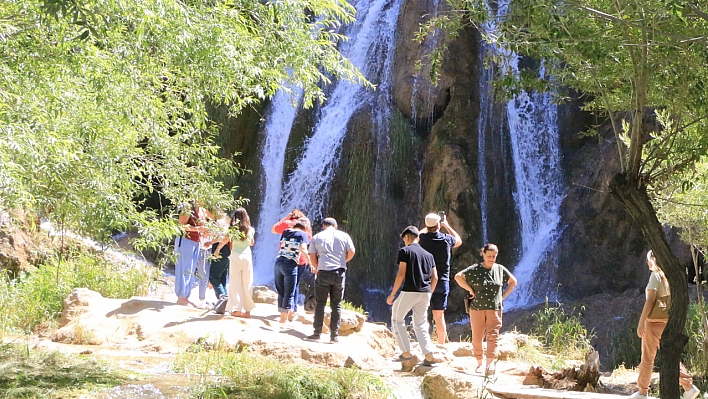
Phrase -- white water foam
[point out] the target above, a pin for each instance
(533, 129)
(279, 122)
(372, 40)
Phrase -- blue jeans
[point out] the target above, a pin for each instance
(329, 283)
(285, 277)
(191, 267)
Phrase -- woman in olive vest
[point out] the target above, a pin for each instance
(485, 282)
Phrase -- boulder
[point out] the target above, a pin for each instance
(350, 322)
(509, 343)
(443, 383)
(82, 322)
(263, 294)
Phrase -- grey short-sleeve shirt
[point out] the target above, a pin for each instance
(331, 246)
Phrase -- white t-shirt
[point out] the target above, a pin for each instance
(656, 283)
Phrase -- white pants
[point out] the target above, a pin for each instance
(418, 302)
(241, 282)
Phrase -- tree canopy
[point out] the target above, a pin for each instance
(641, 64)
(103, 102)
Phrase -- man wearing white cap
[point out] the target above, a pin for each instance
(440, 246)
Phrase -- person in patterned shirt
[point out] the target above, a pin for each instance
(485, 282)
(293, 244)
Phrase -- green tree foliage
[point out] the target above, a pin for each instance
(640, 63)
(103, 102)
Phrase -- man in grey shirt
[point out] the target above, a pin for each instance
(329, 250)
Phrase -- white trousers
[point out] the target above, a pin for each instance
(241, 282)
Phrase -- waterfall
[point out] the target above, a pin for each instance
(279, 121)
(533, 130)
(484, 123)
(370, 48)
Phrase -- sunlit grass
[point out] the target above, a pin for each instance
(29, 373)
(224, 373)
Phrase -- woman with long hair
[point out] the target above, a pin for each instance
(193, 249)
(240, 301)
(485, 283)
(652, 322)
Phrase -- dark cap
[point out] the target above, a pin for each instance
(329, 222)
(410, 230)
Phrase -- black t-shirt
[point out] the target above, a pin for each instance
(419, 268)
(440, 246)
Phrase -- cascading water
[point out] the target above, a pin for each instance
(372, 39)
(533, 129)
(280, 116)
(483, 128)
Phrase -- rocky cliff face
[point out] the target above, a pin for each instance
(429, 162)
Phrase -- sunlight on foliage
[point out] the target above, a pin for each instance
(103, 103)
(36, 298)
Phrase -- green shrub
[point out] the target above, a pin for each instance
(37, 298)
(560, 333)
(229, 374)
(695, 356)
(626, 346)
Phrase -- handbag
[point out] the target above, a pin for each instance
(469, 303)
(660, 310)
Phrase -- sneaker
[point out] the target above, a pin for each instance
(638, 395)
(333, 340)
(691, 393)
(313, 337)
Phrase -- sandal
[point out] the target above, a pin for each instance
(245, 315)
(235, 314)
(402, 358)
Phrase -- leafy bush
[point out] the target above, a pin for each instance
(696, 351)
(562, 334)
(626, 346)
(37, 298)
(250, 377)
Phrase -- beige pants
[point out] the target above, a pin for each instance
(485, 324)
(650, 344)
(241, 282)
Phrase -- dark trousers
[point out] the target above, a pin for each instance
(329, 283)
(217, 276)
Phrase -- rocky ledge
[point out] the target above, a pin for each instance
(148, 328)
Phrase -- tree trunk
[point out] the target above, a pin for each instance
(635, 199)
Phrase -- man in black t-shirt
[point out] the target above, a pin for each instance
(418, 276)
(440, 246)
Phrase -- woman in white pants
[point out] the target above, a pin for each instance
(240, 301)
